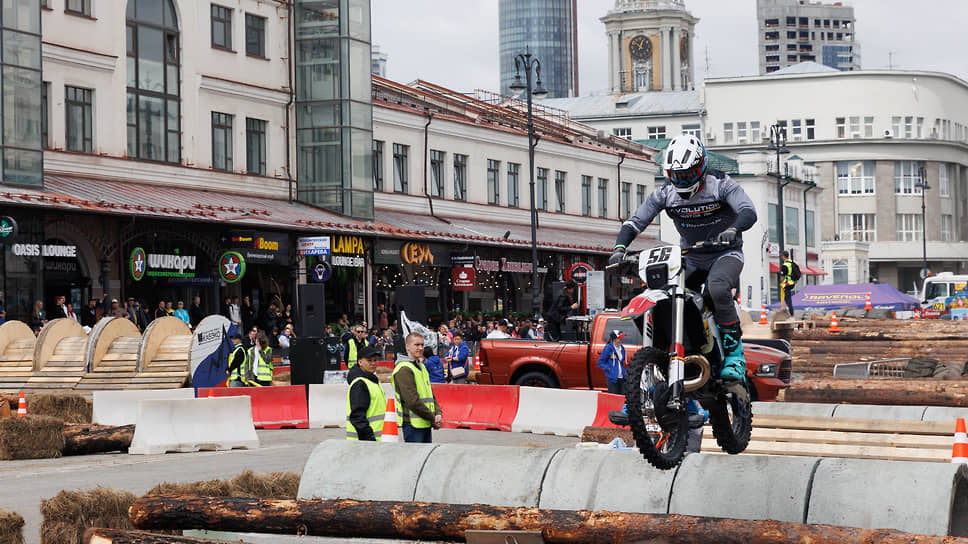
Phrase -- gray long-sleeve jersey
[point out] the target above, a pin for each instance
(720, 204)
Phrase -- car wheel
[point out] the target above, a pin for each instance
(537, 379)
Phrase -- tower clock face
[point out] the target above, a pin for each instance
(640, 48)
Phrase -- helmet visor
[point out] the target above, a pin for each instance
(685, 178)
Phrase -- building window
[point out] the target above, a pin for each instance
(78, 105)
(623, 132)
(840, 271)
(437, 172)
(791, 216)
(586, 195)
(906, 175)
(45, 114)
(920, 127)
(771, 220)
(602, 197)
(78, 7)
(493, 182)
(909, 227)
(221, 141)
(377, 165)
(154, 131)
(514, 170)
(855, 178)
(741, 132)
(255, 146)
(541, 190)
(868, 127)
(860, 227)
(944, 182)
(255, 35)
(692, 130)
(401, 168)
(221, 27)
(895, 126)
(855, 126)
(639, 195)
(947, 221)
(908, 126)
(626, 200)
(841, 127)
(811, 132)
(727, 133)
(560, 188)
(460, 177)
(656, 133)
(809, 232)
(796, 130)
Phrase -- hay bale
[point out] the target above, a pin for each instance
(31, 437)
(70, 513)
(208, 488)
(274, 485)
(11, 528)
(70, 408)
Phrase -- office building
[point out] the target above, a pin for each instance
(794, 31)
(548, 29)
(378, 62)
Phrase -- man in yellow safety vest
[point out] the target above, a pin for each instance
(238, 362)
(365, 400)
(417, 409)
(354, 343)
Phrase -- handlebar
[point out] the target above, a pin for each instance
(633, 256)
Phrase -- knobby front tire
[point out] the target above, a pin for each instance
(673, 440)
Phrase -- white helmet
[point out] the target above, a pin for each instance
(685, 164)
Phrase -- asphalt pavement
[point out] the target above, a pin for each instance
(27, 483)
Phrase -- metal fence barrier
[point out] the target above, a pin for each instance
(882, 368)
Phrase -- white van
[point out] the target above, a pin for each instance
(936, 289)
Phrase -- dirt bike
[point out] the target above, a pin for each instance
(680, 359)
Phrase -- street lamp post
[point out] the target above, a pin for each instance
(923, 185)
(528, 62)
(778, 144)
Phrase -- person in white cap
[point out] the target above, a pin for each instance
(613, 362)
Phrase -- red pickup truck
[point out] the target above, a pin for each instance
(572, 365)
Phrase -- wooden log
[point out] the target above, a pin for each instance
(448, 522)
(89, 439)
(122, 536)
(893, 392)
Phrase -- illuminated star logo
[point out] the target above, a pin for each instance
(231, 266)
(139, 263)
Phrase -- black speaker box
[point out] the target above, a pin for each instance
(312, 309)
(410, 298)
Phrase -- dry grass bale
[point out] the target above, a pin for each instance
(208, 488)
(4, 408)
(70, 408)
(11, 528)
(69, 513)
(31, 437)
(274, 485)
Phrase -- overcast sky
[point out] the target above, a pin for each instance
(454, 43)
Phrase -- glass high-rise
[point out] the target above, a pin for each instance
(549, 30)
(20, 86)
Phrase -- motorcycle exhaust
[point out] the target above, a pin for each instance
(697, 371)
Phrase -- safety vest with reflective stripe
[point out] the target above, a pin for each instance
(374, 412)
(424, 391)
(240, 371)
(263, 371)
(351, 357)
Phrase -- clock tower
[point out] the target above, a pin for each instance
(650, 46)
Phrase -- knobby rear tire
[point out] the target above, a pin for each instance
(731, 430)
(675, 449)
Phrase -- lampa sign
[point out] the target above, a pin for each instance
(349, 245)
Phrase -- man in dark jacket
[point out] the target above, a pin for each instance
(195, 313)
(366, 399)
(89, 314)
(558, 314)
(417, 408)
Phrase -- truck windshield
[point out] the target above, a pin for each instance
(936, 289)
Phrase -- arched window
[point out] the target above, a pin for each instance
(154, 131)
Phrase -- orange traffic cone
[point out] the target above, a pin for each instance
(22, 406)
(959, 452)
(917, 313)
(739, 299)
(390, 431)
(867, 302)
(477, 363)
(763, 320)
(833, 323)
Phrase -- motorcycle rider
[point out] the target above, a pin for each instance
(704, 205)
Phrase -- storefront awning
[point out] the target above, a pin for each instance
(774, 268)
(814, 271)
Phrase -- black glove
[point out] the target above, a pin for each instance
(618, 255)
(728, 236)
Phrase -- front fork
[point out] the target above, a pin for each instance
(677, 353)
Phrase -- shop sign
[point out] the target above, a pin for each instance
(415, 253)
(321, 272)
(502, 265)
(579, 272)
(313, 245)
(466, 261)
(45, 250)
(462, 279)
(347, 245)
(160, 265)
(259, 248)
(347, 261)
(231, 266)
(8, 228)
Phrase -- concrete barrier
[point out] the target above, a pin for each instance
(376, 471)
(185, 425)
(926, 498)
(619, 481)
(564, 412)
(870, 411)
(327, 405)
(944, 413)
(503, 476)
(607, 403)
(807, 409)
(743, 487)
(121, 407)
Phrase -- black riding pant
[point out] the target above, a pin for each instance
(721, 273)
